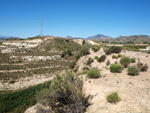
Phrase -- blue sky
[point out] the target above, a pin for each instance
(78, 18)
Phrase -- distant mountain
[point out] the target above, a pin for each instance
(4, 37)
(70, 37)
(9, 38)
(99, 37)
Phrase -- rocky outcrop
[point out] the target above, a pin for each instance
(34, 58)
(19, 45)
(79, 41)
(92, 42)
(38, 108)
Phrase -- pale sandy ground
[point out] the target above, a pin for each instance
(134, 91)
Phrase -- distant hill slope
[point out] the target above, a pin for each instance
(122, 39)
(99, 37)
(9, 38)
(132, 39)
(60, 44)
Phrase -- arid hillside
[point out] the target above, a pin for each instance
(134, 91)
(116, 78)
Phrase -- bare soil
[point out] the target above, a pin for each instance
(133, 91)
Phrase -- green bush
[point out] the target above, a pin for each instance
(119, 55)
(113, 97)
(108, 63)
(115, 49)
(77, 57)
(64, 53)
(114, 56)
(142, 67)
(69, 52)
(90, 60)
(102, 58)
(85, 70)
(116, 68)
(132, 60)
(42, 96)
(72, 65)
(96, 48)
(107, 51)
(93, 73)
(96, 57)
(133, 70)
(125, 61)
(66, 94)
(148, 52)
(139, 65)
(112, 49)
(19, 101)
(12, 82)
(84, 51)
(115, 62)
(76, 69)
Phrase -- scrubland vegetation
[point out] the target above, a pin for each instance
(133, 70)
(93, 73)
(65, 94)
(101, 59)
(112, 49)
(125, 61)
(113, 97)
(116, 68)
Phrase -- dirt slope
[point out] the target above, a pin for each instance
(134, 91)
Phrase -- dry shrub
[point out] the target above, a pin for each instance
(133, 70)
(66, 94)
